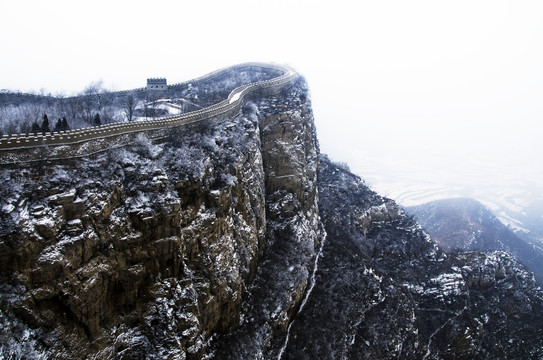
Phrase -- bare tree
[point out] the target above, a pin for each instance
(129, 107)
(92, 100)
(74, 107)
(151, 104)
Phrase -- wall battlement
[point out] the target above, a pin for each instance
(15, 142)
(157, 84)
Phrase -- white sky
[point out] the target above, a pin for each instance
(434, 84)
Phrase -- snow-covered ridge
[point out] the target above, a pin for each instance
(233, 102)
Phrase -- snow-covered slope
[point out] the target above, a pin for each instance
(231, 238)
(165, 246)
(385, 291)
(466, 225)
(513, 193)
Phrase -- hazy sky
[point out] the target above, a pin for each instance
(433, 84)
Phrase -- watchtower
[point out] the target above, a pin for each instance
(157, 84)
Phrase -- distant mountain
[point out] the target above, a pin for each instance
(466, 225)
(231, 238)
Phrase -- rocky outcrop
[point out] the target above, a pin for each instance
(461, 224)
(384, 290)
(158, 248)
(290, 162)
(230, 238)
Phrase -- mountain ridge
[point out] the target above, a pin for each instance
(234, 238)
(463, 224)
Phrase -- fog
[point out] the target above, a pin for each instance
(425, 99)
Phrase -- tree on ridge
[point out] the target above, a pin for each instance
(45, 124)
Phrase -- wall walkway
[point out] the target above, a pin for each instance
(232, 104)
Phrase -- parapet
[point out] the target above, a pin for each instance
(15, 142)
(157, 84)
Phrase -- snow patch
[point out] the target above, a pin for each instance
(513, 224)
(235, 97)
(8, 208)
(446, 285)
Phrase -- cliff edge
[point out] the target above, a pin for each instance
(162, 247)
(233, 238)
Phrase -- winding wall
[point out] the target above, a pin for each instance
(231, 104)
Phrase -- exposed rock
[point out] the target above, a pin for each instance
(384, 290)
(460, 224)
(290, 162)
(231, 239)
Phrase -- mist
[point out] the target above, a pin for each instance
(423, 99)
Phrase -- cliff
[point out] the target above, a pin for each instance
(466, 225)
(385, 290)
(153, 248)
(232, 238)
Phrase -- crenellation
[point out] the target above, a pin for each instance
(232, 103)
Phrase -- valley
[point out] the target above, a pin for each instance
(514, 194)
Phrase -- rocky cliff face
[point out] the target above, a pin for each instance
(142, 251)
(158, 248)
(466, 225)
(231, 239)
(384, 289)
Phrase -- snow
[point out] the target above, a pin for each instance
(235, 97)
(414, 288)
(229, 179)
(489, 204)
(23, 213)
(447, 284)
(312, 281)
(68, 194)
(46, 222)
(50, 255)
(512, 223)
(370, 271)
(511, 207)
(8, 208)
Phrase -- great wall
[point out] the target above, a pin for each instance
(10, 145)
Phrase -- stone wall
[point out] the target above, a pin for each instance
(76, 137)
